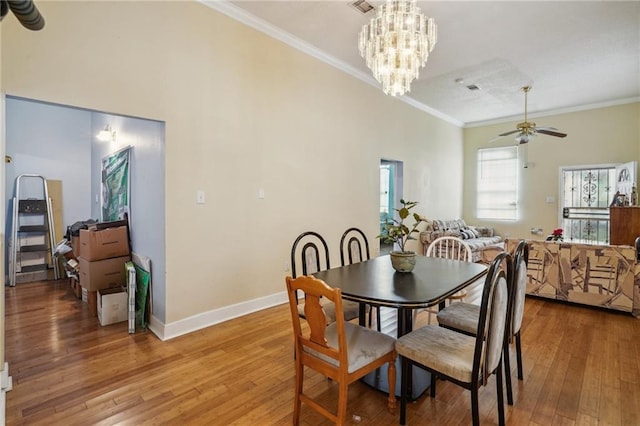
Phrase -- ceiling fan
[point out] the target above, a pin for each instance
(527, 130)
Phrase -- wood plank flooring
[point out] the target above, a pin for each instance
(582, 367)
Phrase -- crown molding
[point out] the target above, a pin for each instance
(553, 112)
(241, 15)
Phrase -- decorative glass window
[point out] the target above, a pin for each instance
(586, 194)
(497, 192)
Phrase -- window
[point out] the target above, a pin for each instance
(586, 194)
(498, 183)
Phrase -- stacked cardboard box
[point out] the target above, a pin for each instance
(112, 305)
(102, 257)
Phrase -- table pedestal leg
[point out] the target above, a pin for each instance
(419, 378)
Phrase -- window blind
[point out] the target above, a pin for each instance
(497, 192)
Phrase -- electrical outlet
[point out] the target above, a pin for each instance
(287, 266)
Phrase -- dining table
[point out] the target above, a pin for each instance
(374, 282)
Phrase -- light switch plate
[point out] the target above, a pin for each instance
(200, 196)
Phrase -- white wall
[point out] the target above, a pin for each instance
(243, 112)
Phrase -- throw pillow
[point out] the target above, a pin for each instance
(467, 234)
(452, 224)
(475, 232)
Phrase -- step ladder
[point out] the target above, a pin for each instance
(32, 237)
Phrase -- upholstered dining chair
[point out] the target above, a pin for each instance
(463, 317)
(310, 252)
(354, 248)
(467, 361)
(449, 247)
(342, 351)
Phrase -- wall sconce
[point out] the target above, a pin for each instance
(107, 134)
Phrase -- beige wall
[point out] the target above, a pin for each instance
(605, 135)
(243, 112)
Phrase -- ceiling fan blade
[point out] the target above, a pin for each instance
(551, 131)
(495, 139)
(509, 133)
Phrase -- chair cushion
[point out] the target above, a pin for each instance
(460, 316)
(496, 326)
(440, 349)
(364, 345)
(521, 289)
(351, 310)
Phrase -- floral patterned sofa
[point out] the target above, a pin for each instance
(482, 240)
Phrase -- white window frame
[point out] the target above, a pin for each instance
(498, 172)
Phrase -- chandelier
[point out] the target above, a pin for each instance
(396, 44)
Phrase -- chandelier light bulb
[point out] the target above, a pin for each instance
(396, 43)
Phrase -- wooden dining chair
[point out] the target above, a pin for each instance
(463, 317)
(310, 254)
(342, 351)
(449, 248)
(354, 248)
(467, 361)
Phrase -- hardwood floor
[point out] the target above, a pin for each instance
(582, 367)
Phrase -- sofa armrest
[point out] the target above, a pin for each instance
(427, 237)
(484, 231)
(415, 244)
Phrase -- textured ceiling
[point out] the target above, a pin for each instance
(575, 54)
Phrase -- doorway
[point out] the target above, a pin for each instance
(60, 143)
(391, 178)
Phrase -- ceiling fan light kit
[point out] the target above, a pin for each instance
(396, 43)
(527, 130)
(524, 138)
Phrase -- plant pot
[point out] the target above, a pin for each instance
(403, 261)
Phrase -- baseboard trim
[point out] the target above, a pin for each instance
(216, 316)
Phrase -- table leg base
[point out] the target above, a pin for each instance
(420, 380)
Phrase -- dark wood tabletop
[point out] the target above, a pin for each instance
(376, 282)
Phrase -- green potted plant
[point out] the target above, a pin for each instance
(396, 232)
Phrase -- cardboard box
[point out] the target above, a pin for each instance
(89, 297)
(104, 244)
(75, 244)
(112, 305)
(103, 273)
(75, 287)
